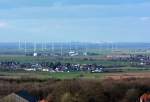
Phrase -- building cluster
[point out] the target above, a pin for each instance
(138, 59)
(50, 67)
(132, 60)
(57, 53)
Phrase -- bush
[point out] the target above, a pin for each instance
(79, 90)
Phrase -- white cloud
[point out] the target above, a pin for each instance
(3, 24)
(145, 18)
(60, 10)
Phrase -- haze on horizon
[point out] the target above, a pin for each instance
(75, 20)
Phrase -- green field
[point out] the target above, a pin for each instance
(73, 60)
(60, 75)
(48, 75)
(98, 59)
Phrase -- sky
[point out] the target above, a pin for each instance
(75, 20)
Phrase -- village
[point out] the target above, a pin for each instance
(96, 65)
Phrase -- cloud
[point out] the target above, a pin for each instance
(33, 3)
(59, 10)
(3, 24)
(145, 18)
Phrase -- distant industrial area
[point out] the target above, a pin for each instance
(67, 48)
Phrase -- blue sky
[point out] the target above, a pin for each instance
(75, 20)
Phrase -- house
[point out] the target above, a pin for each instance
(21, 96)
(145, 97)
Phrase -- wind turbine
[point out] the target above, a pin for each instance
(25, 47)
(19, 45)
(35, 49)
(52, 47)
(61, 49)
(70, 46)
(76, 46)
(45, 45)
(42, 47)
(86, 49)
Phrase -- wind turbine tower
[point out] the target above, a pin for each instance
(53, 47)
(25, 47)
(35, 49)
(70, 47)
(19, 45)
(61, 49)
(86, 49)
(42, 47)
(45, 46)
(34, 46)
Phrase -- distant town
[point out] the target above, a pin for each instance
(75, 57)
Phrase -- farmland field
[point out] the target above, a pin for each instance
(74, 60)
(47, 75)
(74, 75)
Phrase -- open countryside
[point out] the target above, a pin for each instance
(50, 67)
(74, 51)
